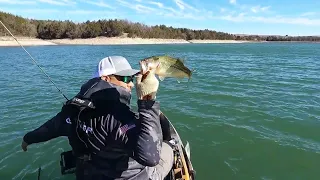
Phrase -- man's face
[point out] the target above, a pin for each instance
(123, 81)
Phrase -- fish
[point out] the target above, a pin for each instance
(165, 66)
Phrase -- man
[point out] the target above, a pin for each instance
(109, 140)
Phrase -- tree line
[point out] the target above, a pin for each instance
(51, 29)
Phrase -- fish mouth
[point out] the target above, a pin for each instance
(147, 65)
(143, 67)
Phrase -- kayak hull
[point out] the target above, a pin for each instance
(182, 167)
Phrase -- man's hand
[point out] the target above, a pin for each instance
(147, 86)
(24, 146)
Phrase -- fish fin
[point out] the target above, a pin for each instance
(191, 74)
(161, 78)
(189, 80)
(192, 71)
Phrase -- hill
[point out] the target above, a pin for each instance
(48, 29)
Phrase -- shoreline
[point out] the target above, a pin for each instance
(27, 41)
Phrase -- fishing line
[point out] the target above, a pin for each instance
(35, 62)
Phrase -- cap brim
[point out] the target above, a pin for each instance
(127, 72)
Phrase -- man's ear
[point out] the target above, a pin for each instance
(106, 78)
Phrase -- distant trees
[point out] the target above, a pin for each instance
(48, 29)
(17, 25)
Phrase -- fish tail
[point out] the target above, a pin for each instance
(189, 80)
(191, 73)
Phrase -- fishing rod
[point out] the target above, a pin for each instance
(39, 170)
(34, 61)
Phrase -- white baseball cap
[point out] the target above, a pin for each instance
(116, 65)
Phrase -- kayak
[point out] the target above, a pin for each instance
(182, 168)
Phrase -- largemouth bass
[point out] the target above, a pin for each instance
(165, 66)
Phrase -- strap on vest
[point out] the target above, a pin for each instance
(81, 102)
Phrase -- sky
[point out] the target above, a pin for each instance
(268, 17)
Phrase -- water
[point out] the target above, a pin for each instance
(251, 111)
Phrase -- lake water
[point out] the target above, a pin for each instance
(250, 111)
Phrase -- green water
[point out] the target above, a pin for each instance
(251, 111)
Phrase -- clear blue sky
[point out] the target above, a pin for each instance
(292, 17)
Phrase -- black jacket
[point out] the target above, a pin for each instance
(121, 142)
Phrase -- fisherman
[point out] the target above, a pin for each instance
(109, 140)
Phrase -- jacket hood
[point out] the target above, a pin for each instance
(99, 91)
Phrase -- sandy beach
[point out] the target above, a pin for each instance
(117, 40)
(26, 41)
(216, 41)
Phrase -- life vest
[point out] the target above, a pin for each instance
(88, 110)
(75, 108)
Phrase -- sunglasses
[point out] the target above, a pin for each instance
(125, 79)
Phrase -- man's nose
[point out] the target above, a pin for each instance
(131, 85)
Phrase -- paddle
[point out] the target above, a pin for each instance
(187, 148)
